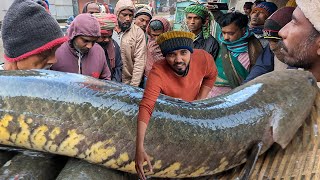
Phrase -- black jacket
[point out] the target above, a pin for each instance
(210, 45)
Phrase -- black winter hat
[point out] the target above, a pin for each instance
(29, 30)
(174, 40)
(277, 21)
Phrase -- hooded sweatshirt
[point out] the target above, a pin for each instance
(132, 48)
(154, 53)
(93, 63)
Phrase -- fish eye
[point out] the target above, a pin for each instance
(311, 81)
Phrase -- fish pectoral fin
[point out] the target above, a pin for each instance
(251, 162)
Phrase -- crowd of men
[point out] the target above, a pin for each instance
(137, 49)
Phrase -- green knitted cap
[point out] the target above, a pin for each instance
(197, 9)
(202, 11)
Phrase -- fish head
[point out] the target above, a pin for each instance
(293, 105)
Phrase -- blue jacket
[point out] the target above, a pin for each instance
(264, 64)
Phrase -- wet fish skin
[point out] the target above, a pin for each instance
(82, 117)
(77, 169)
(41, 167)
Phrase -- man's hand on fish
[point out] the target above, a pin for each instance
(140, 157)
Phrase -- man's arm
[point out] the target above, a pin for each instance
(139, 58)
(209, 78)
(203, 93)
(146, 106)
(117, 76)
(141, 155)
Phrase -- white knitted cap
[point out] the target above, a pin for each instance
(311, 10)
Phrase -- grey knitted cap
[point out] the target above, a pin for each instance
(28, 30)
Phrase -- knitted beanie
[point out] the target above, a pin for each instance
(105, 21)
(174, 40)
(29, 30)
(143, 11)
(198, 9)
(122, 5)
(276, 21)
(310, 9)
(266, 7)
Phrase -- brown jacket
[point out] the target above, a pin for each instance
(133, 54)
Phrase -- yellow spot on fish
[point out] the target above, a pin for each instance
(223, 164)
(56, 131)
(67, 147)
(38, 138)
(22, 138)
(69, 110)
(4, 122)
(4, 133)
(170, 171)
(13, 137)
(199, 172)
(99, 151)
(29, 120)
(51, 146)
(157, 165)
(222, 160)
(82, 156)
(129, 168)
(185, 172)
(112, 163)
(124, 157)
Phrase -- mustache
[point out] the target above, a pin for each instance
(282, 46)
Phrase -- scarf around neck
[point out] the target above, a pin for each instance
(257, 30)
(239, 46)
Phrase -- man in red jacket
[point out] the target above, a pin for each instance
(184, 69)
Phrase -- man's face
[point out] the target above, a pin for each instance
(246, 11)
(299, 41)
(84, 43)
(93, 8)
(179, 60)
(232, 32)
(258, 18)
(194, 22)
(43, 60)
(125, 19)
(155, 34)
(142, 21)
(105, 37)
